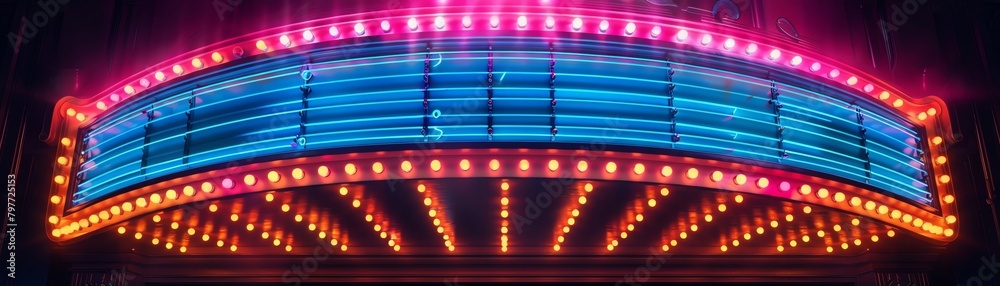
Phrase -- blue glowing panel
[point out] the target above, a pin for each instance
(270, 108)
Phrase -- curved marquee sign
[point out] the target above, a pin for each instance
(504, 79)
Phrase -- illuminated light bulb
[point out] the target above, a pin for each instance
(171, 194)
(138, 235)
(378, 168)
(273, 176)
(553, 165)
(93, 219)
(101, 105)
(706, 39)
(839, 197)
(717, 176)
(630, 28)
(937, 140)
(805, 190)
(439, 22)
(664, 192)
(869, 88)
(582, 200)
(781, 248)
(503, 214)
(217, 57)
(949, 232)
(359, 29)
(432, 213)
(66, 142)
(285, 208)
(917, 222)
(80, 117)
(843, 245)
(611, 247)
(189, 191)
(234, 217)
(807, 209)
(421, 188)
(736, 242)
(104, 215)
(427, 201)
(673, 242)
(356, 203)
(666, 171)
(350, 169)
(684, 235)
(822, 193)
(897, 103)
(155, 198)
(870, 205)
(308, 36)
(504, 186)
(494, 22)
(651, 203)
(820, 233)
(857, 242)
(464, 164)
(944, 179)
(435, 165)
(140, 202)
(204, 237)
(285, 41)
(852, 80)
(739, 199)
(129, 89)
(523, 165)
(774, 54)
(708, 218)
(581, 166)
(386, 27)
(603, 27)
(250, 180)
(571, 221)
(722, 208)
(729, 44)
(232, 248)
(796, 61)
(922, 116)
(630, 227)
(774, 224)
(751, 49)
(655, 32)
(261, 45)
(793, 243)
(298, 218)
(494, 165)
(855, 222)
(114, 97)
(837, 227)
(815, 67)
(681, 35)
(789, 217)
(639, 217)
(575, 213)
(896, 214)
(219, 243)
(692, 173)
(207, 187)
(334, 32)
(639, 169)
(874, 238)
(190, 231)
(855, 201)
(467, 22)
(53, 219)
(694, 227)
(522, 22)
(577, 24)
(907, 218)
(762, 183)
(949, 199)
(805, 238)
(71, 112)
(406, 166)
(740, 179)
(59, 179)
(269, 197)
(950, 219)
(834, 73)
(55, 199)
(227, 183)
(932, 111)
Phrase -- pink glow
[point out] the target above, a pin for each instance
(227, 183)
(785, 186)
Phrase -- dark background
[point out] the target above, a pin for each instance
(947, 48)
